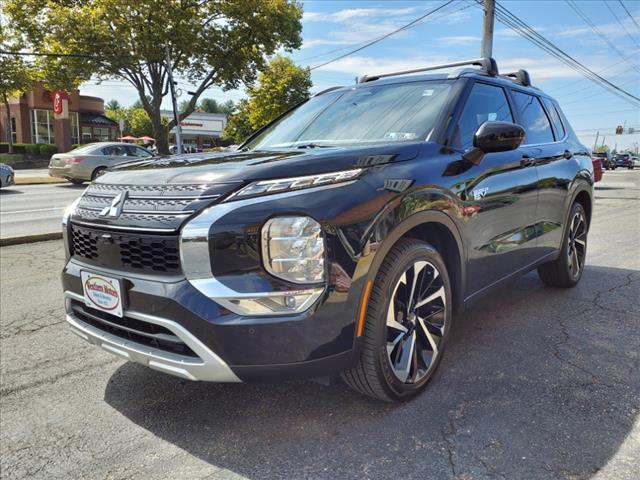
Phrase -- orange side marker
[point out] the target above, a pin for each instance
(363, 309)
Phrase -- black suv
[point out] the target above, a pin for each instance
(340, 238)
(623, 160)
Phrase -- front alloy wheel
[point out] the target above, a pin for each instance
(406, 324)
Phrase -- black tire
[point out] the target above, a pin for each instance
(374, 375)
(97, 172)
(560, 272)
(76, 181)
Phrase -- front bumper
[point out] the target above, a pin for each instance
(229, 347)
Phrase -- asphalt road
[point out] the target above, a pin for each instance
(33, 209)
(537, 383)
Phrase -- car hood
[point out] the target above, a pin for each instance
(244, 166)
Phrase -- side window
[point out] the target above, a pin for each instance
(558, 127)
(533, 119)
(486, 103)
(108, 151)
(138, 152)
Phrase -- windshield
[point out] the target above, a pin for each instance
(367, 114)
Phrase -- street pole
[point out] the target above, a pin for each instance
(486, 47)
(174, 101)
(595, 144)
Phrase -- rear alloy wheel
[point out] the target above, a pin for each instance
(567, 269)
(406, 324)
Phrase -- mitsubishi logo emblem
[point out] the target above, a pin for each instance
(115, 209)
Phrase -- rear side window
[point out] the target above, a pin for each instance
(558, 127)
(533, 118)
(486, 103)
(138, 152)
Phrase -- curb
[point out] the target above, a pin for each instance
(37, 180)
(38, 237)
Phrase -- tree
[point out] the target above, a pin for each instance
(281, 86)
(223, 42)
(602, 149)
(211, 105)
(136, 120)
(113, 105)
(16, 77)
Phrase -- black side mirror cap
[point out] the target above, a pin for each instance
(494, 137)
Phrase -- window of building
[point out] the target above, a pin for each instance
(42, 126)
(101, 134)
(486, 103)
(87, 136)
(14, 130)
(75, 127)
(533, 118)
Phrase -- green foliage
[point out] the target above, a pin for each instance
(602, 148)
(112, 104)
(10, 158)
(211, 105)
(281, 86)
(223, 42)
(47, 150)
(32, 149)
(136, 120)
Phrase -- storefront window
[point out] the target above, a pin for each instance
(42, 126)
(101, 134)
(75, 127)
(86, 135)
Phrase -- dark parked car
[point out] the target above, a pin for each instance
(340, 238)
(623, 160)
(605, 158)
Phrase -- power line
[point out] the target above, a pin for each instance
(324, 54)
(523, 29)
(379, 39)
(597, 31)
(629, 13)
(633, 40)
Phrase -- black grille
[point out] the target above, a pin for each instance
(132, 252)
(139, 331)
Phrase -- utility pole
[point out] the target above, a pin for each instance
(595, 144)
(486, 47)
(174, 101)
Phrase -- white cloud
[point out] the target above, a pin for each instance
(460, 40)
(315, 42)
(355, 13)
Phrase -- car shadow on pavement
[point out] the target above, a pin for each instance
(536, 383)
(9, 191)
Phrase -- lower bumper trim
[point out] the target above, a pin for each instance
(207, 366)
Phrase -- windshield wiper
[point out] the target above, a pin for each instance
(312, 145)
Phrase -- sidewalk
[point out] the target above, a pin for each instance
(35, 177)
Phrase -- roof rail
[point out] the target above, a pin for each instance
(487, 65)
(326, 90)
(521, 76)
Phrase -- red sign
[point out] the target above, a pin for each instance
(58, 97)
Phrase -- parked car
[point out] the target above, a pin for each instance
(605, 158)
(340, 238)
(7, 177)
(635, 161)
(88, 161)
(597, 169)
(623, 160)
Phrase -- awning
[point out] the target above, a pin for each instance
(96, 118)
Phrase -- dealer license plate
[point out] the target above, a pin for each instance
(102, 293)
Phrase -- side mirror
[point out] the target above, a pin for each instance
(494, 137)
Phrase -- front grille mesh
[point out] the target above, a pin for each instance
(132, 252)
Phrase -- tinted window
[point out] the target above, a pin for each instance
(555, 118)
(486, 103)
(138, 152)
(116, 150)
(533, 119)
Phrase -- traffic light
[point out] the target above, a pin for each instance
(619, 130)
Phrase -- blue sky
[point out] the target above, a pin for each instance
(332, 28)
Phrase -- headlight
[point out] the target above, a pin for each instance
(70, 209)
(265, 187)
(293, 249)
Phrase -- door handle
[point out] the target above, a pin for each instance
(526, 160)
(567, 154)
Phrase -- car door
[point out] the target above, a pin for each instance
(546, 145)
(499, 194)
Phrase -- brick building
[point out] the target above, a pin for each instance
(32, 120)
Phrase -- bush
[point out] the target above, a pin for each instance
(47, 150)
(32, 149)
(10, 158)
